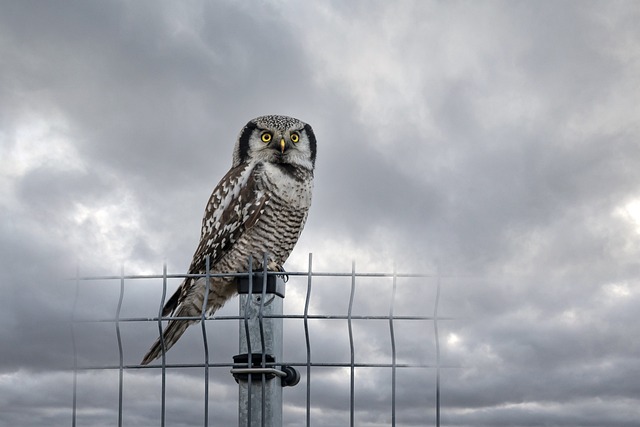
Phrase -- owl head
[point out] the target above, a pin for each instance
(276, 139)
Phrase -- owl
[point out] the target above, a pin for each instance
(260, 206)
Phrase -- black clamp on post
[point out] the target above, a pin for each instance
(242, 369)
(274, 286)
(289, 376)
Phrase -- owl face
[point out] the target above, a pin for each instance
(276, 139)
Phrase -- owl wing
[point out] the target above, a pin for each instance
(234, 207)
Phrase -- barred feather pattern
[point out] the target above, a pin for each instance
(257, 208)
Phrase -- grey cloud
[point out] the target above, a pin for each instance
(513, 188)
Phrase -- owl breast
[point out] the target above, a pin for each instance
(281, 221)
(292, 185)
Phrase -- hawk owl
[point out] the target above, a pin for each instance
(260, 206)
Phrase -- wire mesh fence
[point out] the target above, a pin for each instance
(342, 341)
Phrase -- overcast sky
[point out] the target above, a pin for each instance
(498, 141)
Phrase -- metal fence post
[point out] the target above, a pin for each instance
(256, 369)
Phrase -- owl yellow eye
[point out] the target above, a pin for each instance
(295, 137)
(266, 137)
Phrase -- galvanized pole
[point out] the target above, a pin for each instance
(260, 381)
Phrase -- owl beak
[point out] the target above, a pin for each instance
(282, 145)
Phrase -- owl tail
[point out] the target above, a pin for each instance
(220, 291)
(171, 334)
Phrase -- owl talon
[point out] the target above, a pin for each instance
(279, 268)
(285, 277)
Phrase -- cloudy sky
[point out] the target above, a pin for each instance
(496, 141)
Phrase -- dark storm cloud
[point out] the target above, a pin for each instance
(498, 141)
(151, 97)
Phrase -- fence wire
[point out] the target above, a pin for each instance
(307, 364)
